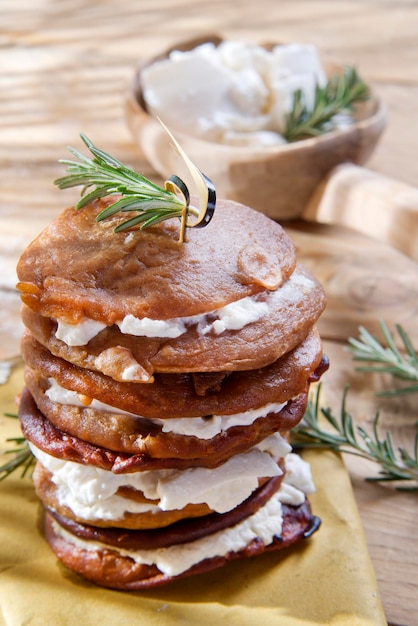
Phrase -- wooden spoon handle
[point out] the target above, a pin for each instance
(371, 203)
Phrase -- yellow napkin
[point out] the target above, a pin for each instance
(328, 579)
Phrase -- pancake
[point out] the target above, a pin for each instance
(173, 396)
(179, 532)
(180, 395)
(240, 253)
(43, 434)
(46, 490)
(293, 310)
(133, 435)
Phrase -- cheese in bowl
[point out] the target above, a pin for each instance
(244, 113)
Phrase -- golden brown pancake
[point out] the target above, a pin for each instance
(298, 305)
(187, 529)
(173, 396)
(126, 434)
(44, 435)
(46, 491)
(79, 267)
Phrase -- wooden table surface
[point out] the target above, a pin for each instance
(65, 67)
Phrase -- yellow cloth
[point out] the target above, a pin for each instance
(328, 579)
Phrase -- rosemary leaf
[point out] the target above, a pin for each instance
(21, 458)
(339, 95)
(109, 177)
(345, 437)
(386, 359)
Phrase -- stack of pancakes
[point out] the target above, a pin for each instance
(161, 382)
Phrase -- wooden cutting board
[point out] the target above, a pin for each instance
(361, 240)
(365, 280)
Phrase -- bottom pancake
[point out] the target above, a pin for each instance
(126, 570)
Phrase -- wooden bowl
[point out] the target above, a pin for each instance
(277, 181)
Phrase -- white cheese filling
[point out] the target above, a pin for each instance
(90, 492)
(209, 427)
(78, 334)
(233, 316)
(265, 524)
(200, 427)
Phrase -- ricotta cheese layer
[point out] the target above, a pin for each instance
(91, 492)
(265, 524)
(233, 316)
(201, 427)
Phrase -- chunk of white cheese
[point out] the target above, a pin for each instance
(78, 334)
(236, 93)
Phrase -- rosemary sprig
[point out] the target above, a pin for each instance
(153, 204)
(109, 176)
(346, 437)
(22, 456)
(387, 359)
(338, 95)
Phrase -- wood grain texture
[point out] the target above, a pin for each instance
(388, 516)
(365, 280)
(66, 66)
